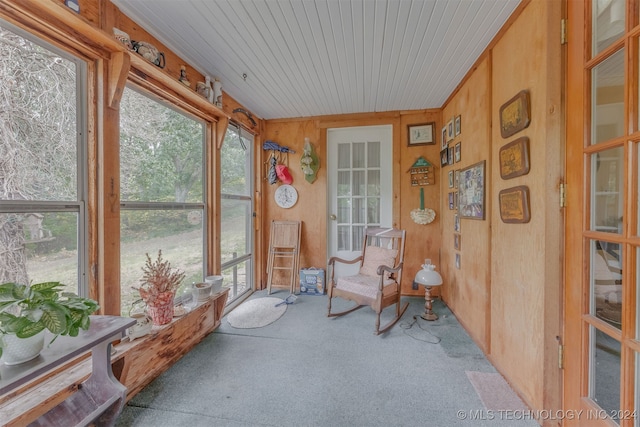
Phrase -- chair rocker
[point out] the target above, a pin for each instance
(377, 283)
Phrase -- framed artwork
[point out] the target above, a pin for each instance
(444, 157)
(514, 205)
(456, 241)
(456, 223)
(515, 114)
(450, 130)
(451, 201)
(471, 189)
(451, 179)
(421, 134)
(455, 200)
(456, 178)
(444, 140)
(457, 154)
(458, 261)
(458, 125)
(514, 158)
(450, 155)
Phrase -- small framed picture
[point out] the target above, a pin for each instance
(458, 125)
(458, 261)
(421, 134)
(451, 174)
(450, 155)
(451, 201)
(455, 200)
(456, 223)
(444, 157)
(444, 140)
(450, 130)
(457, 155)
(456, 241)
(456, 178)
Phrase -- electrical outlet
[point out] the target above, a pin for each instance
(414, 286)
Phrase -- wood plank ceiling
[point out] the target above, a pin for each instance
(300, 58)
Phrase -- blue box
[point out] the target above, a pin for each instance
(311, 281)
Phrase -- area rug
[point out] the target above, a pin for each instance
(256, 313)
(494, 392)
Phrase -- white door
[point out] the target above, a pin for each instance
(359, 187)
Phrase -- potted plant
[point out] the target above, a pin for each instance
(26, 311)
(159, 285)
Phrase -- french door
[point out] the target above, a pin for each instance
(602, 357)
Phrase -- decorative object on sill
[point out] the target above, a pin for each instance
(202, 291)
(141, 328)
(56, 310)
(514, 158)
(246, 113)
(515, 115)
(423, 216)
(216, 283)
(514, 205)
(150, 53)
(123, 38)
(159, 285)
(73, 5)
(217, 93)
(209, 89)
(309, 162)
(183, 76)
(428, 277)
(421, 172)
(201, 89)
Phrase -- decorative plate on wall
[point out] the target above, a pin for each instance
(286, 196)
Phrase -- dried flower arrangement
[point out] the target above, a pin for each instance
(159, 281)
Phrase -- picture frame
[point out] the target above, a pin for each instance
(451, 201)
(457, 153)
(456, 241)
(458, 261)
(514, 158)
(458, 125)
(514, 205)
(421, 134)
(451, 174)
(444, 157)
(450, 130)
(515, 114)
(456, 178)
(456, 223)
(444, 141)
(450, 155)
(472, 191)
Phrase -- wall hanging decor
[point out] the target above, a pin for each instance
(514, 114)
(421, 134)
(423, 216)
(514, 205)
(457, 154)
(471, 191)
(457, 125)
(277, 161)
(514, 158)
(309, 162)
(421, 172)
(149, 52)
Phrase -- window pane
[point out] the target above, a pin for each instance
(344, 156)
(235, 159)
(235, 278)
(373, 211)
(358, 211)
(344, 183)
(606, 185)
(235, 229)
(178, 233)
(608, 22)
(344, 206)
(604, 378)
(161, 152)
(344, 234)
(358, 183)
(606, 282)
(373, 154)
(373, 183)
(358, 155)
(608, 98)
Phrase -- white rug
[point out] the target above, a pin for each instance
(256, 313)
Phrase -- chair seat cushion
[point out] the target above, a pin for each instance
(366, 286)
(374, 257)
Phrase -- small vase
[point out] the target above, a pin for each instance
(161, 312)
(19, 350)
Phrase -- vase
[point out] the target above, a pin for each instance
(161, 310)
(19, 350)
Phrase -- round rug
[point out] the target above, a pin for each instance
(256, 313)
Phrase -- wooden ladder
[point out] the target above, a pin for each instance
(284, 251)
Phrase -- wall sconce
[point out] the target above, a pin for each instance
(428, 277)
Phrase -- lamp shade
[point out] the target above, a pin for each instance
(428, 276)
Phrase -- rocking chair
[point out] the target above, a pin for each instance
(377, 283)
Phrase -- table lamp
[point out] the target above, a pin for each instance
(428, 277)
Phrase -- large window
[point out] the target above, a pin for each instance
(42, 162)
(162, 158)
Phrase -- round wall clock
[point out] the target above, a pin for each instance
(286, 196)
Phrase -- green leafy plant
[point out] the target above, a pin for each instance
(27, 310)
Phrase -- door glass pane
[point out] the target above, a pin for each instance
(608, 22)
(608, 98)
(358, 237)
(373, 154)
(344, 156)
(344, 235)
(606, 282)
(235, 229)
(358, 183)
(373, 211)
(344, 207)
(607, 184)
(604, 381)
(358, 155)
(344, 183)
(373, 183)
(358, 211)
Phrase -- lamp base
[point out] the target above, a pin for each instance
(429, 316)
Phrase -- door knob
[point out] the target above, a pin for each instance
(333, 217)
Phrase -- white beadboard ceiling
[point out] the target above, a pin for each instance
(300, 58)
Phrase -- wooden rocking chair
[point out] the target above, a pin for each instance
(377, 283)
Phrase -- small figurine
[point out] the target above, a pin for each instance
(183, 76)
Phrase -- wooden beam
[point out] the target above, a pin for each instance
(221, 131)
(118, 71)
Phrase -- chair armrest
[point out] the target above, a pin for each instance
(383, 268)
(335, 259)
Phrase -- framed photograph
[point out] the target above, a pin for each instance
(458, 261)
(515, 114)
(451, 179)
(471, 189)
(451, 201)
(421, 134)
(456, 178)
(514, 205)
(444, 157)
(444, 140)
(456, 223)
(455, 200)
(456, 241)
(458, 125)
(514, 158)
(457, 154)
(450, 130)
(450, 155)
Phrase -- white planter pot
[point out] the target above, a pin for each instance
(19, 350)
